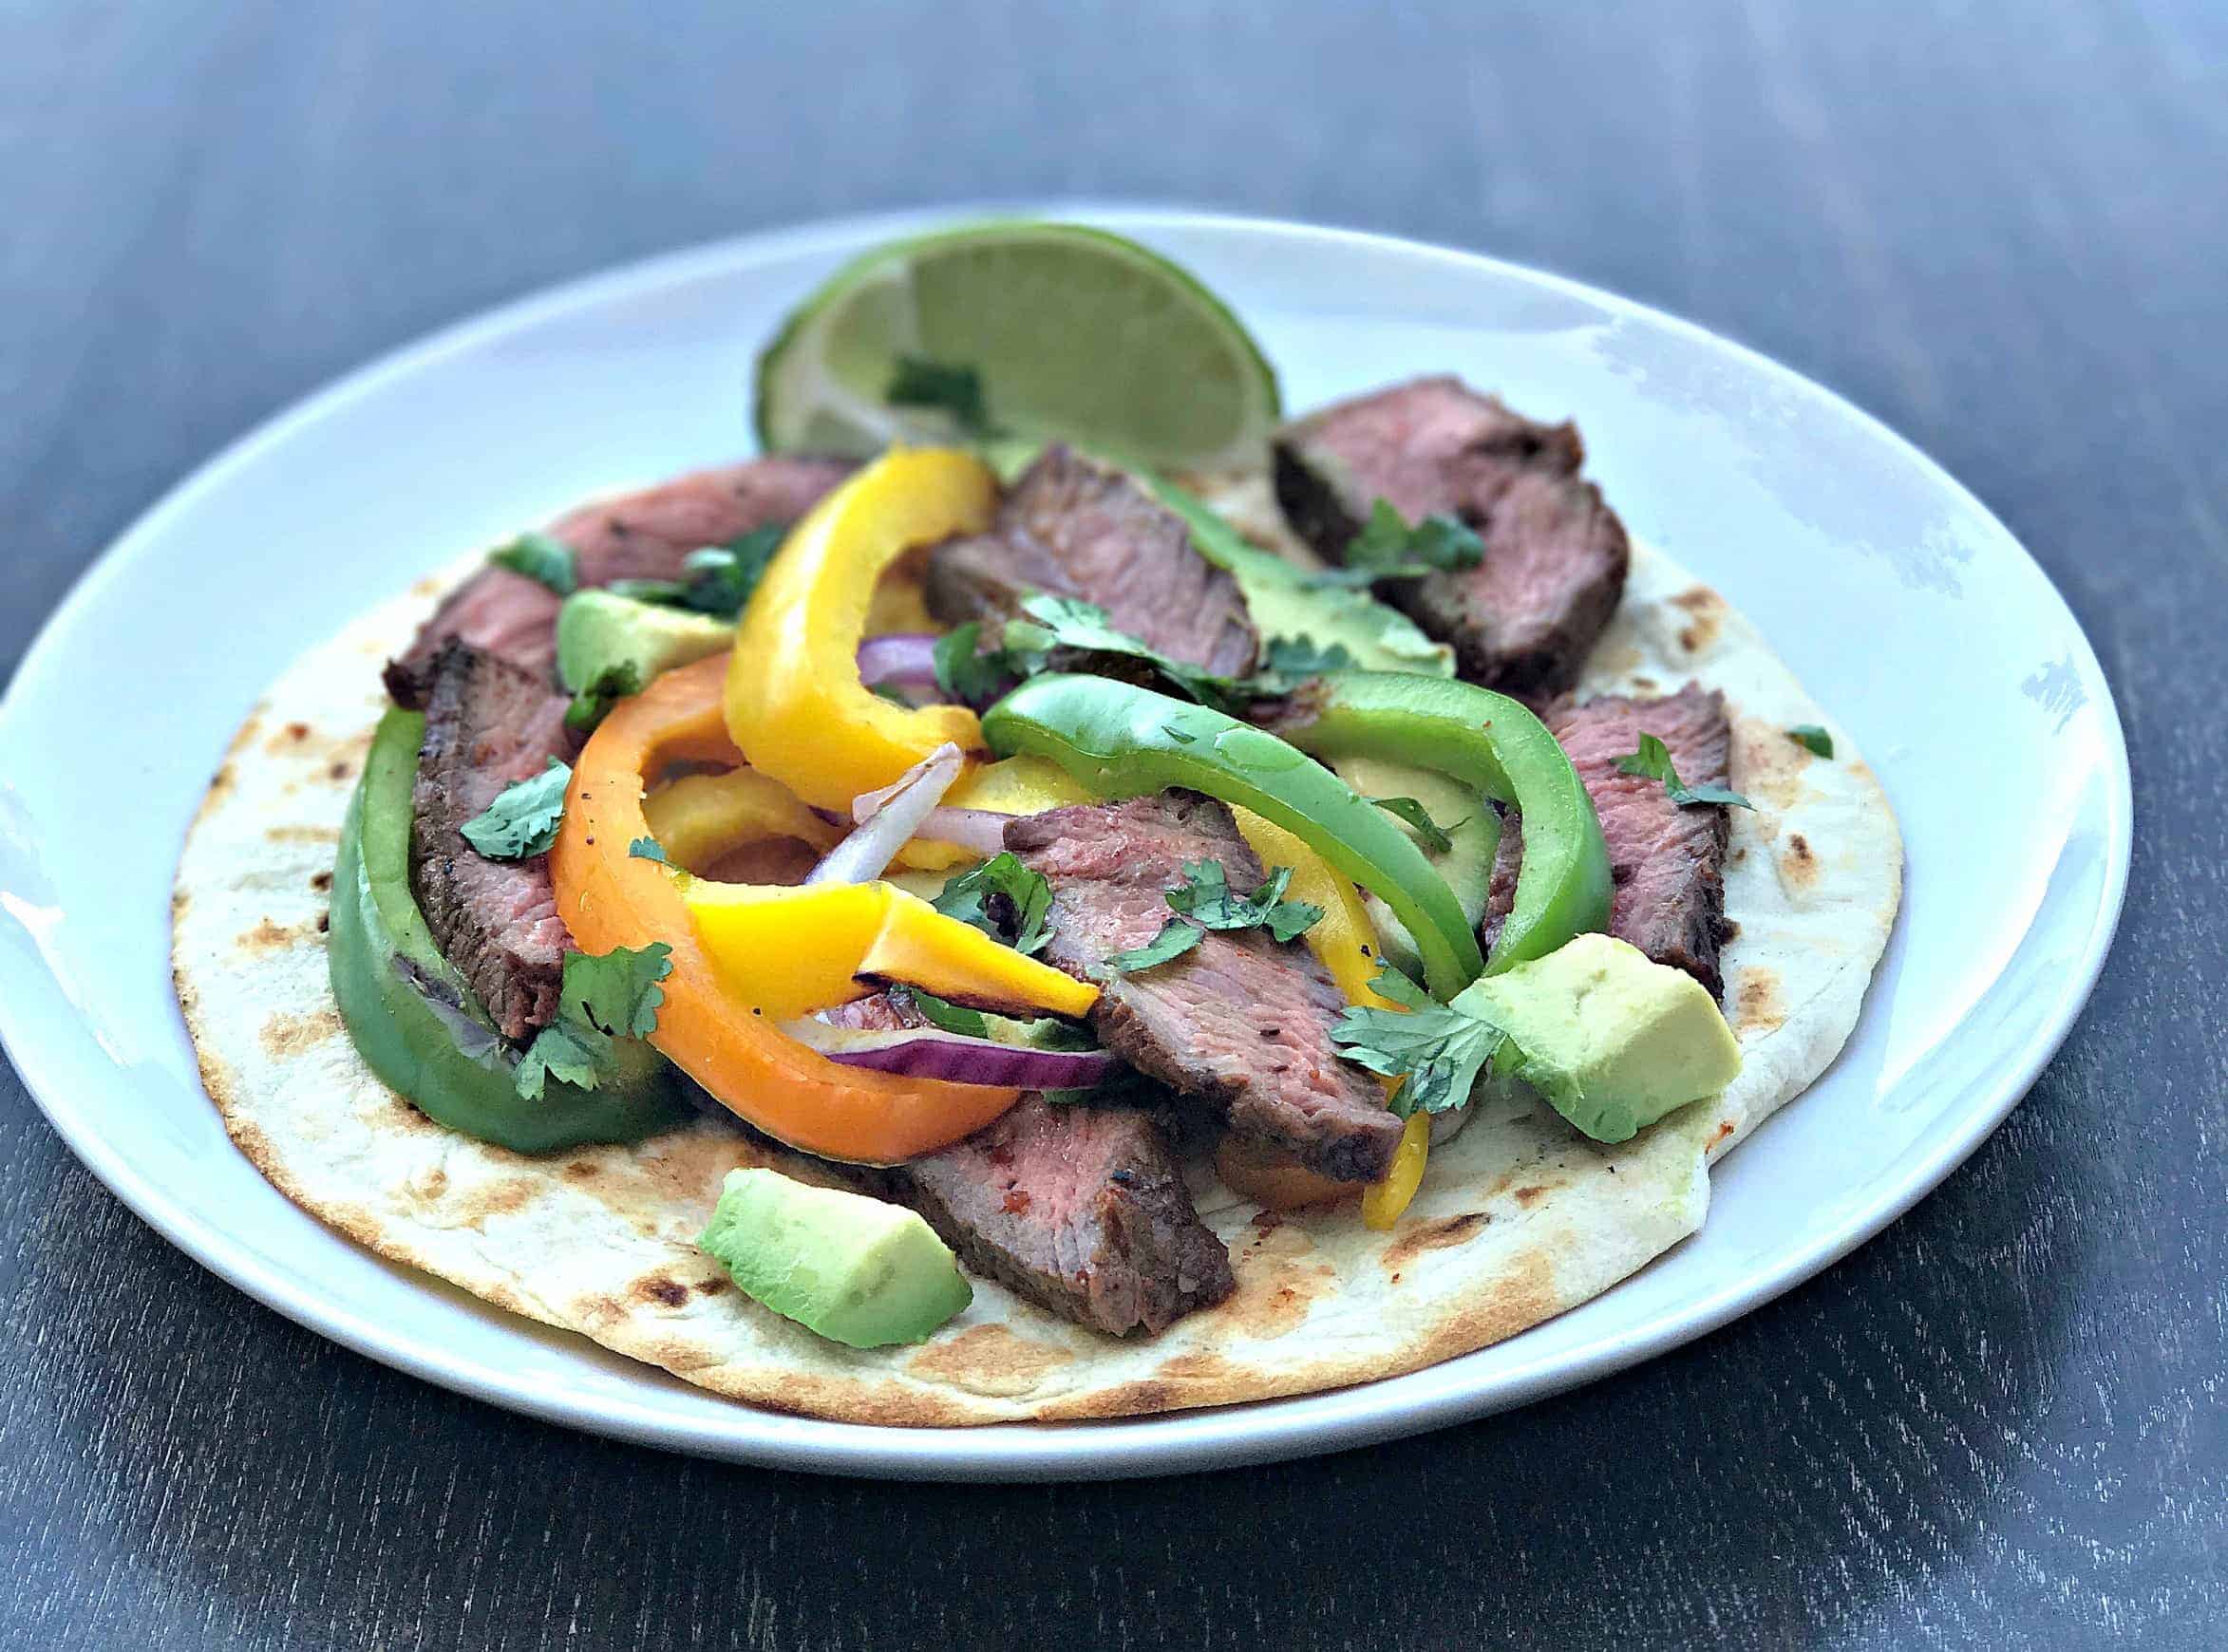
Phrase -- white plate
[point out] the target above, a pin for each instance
(1908, 611)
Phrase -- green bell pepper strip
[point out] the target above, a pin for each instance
(1125, 741)
(1492, 743)
(443, 1054)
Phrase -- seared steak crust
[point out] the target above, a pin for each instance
(1556, 555)
(488, 723)
(1081, 1208)
(1668, 862)
(644, 535)
(1071, 528)
(1241, 1020)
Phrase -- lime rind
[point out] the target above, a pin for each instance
(1087, 335)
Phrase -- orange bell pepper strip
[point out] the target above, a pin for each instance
(794, 704)
(609, 899)
(1344, 941)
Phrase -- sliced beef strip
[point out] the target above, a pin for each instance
(644, 535)
(1668, 862)
(1081, 1208)
(1523, 620)
(1072, 527)
(1501, 885)
(1241, 1020)
(488, 723)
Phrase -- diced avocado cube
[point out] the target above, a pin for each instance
(853, 1269)
(598, 630)
(1612, 1041)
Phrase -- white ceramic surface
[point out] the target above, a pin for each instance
(1900, 601)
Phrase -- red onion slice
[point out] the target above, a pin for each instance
(928, 1052)
(888, 819)
(900, 659)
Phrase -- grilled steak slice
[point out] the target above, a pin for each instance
(1241, 1020)
(487, 724)
(1668, 862)
(1075, 528)
(1080, 1209)
(1523, 620)
(1501, 886)
(645, 535)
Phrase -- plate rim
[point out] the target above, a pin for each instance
(1168, 1442)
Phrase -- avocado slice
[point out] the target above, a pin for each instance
(1283, 602)
(1473, 829)
(851, 1268)
(599, 630)
(1612, 1041)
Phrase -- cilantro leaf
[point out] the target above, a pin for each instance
(723, 578)
(1812, 739)
(937, 1013)
(1437, 1052)
(1005, 900)
(649, 849)
(1084, 628)
(1652, 762)
(1434, 836)
(524, 818)
(964, 672)
(1388, 548)
(717, 580)
(1176, 937)
(604, 997)
(616, 993)
(557, 1052)
(956, 388)
(549, 561)
(1288, 662)
(1204, 898)
(592, 703)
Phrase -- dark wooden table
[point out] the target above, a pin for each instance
(1998, 224)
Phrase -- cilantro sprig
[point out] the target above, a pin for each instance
(1436, 837)
(1652, 762)
(604, 997)
(522, 822)
(593, 701)
(1085, 634)
(548, 561)
(952, 386)
(717, 580)
(1812, 739)
(1437, 1052)
(1390, 546)
(1204, 901)
(1005, 900)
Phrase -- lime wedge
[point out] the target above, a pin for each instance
(1068, 332)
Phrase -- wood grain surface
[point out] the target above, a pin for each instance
(1999, 224)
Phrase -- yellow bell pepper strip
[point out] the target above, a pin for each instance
(1344, 941)
(608, 899)
(787, 951)
(1385, 1201)
(699, 817)
(794, 704)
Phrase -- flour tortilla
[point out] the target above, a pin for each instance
(1518, 1218)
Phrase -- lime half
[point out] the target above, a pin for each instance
(1061, 331)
